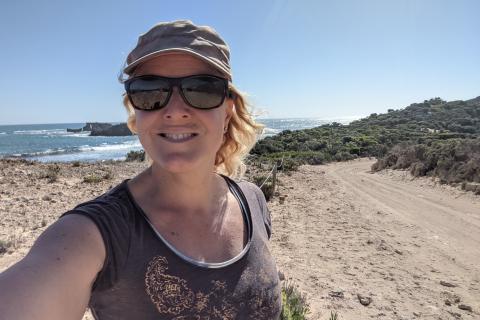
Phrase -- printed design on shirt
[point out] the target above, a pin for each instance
(171, 295)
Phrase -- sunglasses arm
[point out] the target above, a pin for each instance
(231, 95)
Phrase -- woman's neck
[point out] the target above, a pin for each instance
(193, 194)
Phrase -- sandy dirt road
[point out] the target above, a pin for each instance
(410, 245)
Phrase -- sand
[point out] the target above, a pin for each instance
(343, 232)
(405, 248)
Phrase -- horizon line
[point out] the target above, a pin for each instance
(118, 122)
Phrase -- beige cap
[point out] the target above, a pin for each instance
(181, 36)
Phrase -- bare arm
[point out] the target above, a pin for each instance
(54, 280)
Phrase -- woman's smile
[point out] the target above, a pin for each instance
(178, 137)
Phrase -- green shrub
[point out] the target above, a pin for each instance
(51, 173)
(107, 175)
(294, 304)
(76, 164)
(4, 246)
(344, 156)
(136, 156)
(92, 178)
(98, 177)
(11, 243)
(418, 169)
(333, 315)
(265, 185)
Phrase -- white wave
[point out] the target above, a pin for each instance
(270, 131)
(44, 152)
(86, 149)
(96, 153)
(111, 147)
(53, 132)
(82, 134)
(3, 132)
(43, 131)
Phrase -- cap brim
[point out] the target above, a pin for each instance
(131, 67)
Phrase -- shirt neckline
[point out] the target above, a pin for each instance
(244, 207)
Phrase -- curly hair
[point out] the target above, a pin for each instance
(240, 137)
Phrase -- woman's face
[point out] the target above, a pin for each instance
(201, 132)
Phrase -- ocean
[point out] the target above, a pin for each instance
(52, 142)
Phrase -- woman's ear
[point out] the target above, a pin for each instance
(229, 111)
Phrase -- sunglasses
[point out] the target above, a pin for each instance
(151, 92)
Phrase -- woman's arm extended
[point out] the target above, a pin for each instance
(54, 280)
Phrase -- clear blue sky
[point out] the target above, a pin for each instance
(304, 58)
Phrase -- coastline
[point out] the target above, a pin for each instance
(67, 142)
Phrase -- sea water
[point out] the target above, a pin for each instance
(52, 142)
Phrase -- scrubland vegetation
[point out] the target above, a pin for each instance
(433, 138)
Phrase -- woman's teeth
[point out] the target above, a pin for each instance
(177, 136)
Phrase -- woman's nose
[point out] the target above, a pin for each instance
(176, 108)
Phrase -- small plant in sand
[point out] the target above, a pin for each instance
(333, 315)
(294, 304)
(107, 175)
(98, 177)
(10, 244)
(265, 185)
(4, 246)
(136, 156)
(76, 164)
(51, 173)
(92, 178)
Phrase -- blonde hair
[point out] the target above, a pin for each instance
(240, 136)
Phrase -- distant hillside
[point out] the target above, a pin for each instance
(432, 124)
(434, 114)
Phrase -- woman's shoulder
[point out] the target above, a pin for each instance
(241, 183)
(113, 201)
(257, 203)
(113, 212)
(252, 190)
(113, 215)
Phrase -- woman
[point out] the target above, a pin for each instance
(180, 240)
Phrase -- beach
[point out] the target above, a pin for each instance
(368, 246)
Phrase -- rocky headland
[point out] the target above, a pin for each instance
(104, 129)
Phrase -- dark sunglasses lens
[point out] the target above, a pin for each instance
(148, 94)
(204, 92)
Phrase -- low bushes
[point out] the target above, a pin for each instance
(50, 173)
(136, 156)
(98, 177)
(418, 137)
(452, 161)
(266, 185)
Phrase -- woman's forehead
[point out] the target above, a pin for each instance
(175, 65)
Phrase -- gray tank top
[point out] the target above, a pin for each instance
(144, 277)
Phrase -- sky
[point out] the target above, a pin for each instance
(295, 58)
